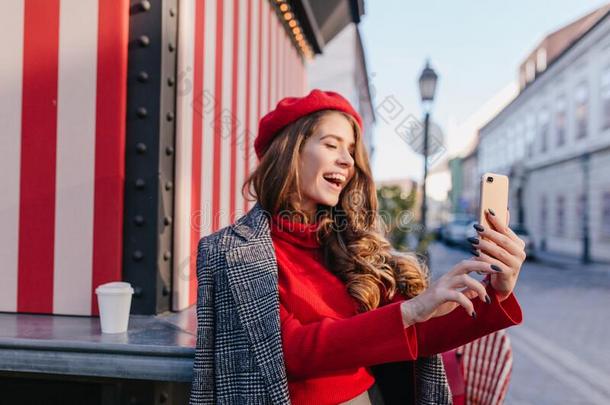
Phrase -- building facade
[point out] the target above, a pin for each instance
(342, 68)
(553, 140)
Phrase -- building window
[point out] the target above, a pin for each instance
(510, 145)
(541, 59)
(605, 93)
(605, 225)
(530, 70)
(543, 130)
(560, 121)
(543, 215)
(560, 215)
(529, 135)
(582, 110)
(520, 141)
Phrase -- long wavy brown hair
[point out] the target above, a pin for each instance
(350, 233)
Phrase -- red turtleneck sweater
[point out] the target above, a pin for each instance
(328, 346)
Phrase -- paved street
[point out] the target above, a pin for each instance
(561, 353)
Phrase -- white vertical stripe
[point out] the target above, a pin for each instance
(208, 102)
(226, 114)
(75, 171)
(241, 106)
(185, 102)
(11, 74)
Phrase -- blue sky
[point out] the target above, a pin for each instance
(475, 47)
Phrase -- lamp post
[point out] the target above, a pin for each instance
(586, 248)
(427, 87)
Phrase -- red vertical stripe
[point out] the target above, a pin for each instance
(290, 75)
(299, 78)
(217, 116)
(269, 43)
(260, 62)
(112, 39)
(246, 139)
(287, 58)
(278, 59)
(38, 156)
(197, 126)
(233, 115)
(288, 64)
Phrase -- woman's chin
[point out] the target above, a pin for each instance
(331, 201)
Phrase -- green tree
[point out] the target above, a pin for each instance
(396, 209)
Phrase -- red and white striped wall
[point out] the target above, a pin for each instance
(235, 62)
(62, 108)
(487, 364)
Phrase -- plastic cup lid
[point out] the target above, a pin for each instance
(115, 288)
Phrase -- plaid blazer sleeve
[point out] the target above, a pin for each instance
(202, 389)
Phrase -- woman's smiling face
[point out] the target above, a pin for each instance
(326, 162)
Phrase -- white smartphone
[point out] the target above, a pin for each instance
(494, 195)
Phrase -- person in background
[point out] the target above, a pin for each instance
(302, 300)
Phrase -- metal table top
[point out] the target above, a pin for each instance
(155, 347)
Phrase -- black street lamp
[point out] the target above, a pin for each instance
(427, 87)
(586, 248)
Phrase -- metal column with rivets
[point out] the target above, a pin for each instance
(149, 153)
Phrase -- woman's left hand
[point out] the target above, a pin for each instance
(501, 247)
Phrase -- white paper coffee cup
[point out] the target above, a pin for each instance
(114, 301)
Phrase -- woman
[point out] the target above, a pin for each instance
(303, 301)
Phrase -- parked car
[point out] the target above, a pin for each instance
(530, 249)
(519, 230)
(438, 232)
(456, 231)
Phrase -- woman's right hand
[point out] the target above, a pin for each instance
(445, 294)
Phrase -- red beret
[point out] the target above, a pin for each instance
(290, 109)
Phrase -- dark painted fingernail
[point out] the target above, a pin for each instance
(478, 227)
(473, 240)
(491, 211)
(487, 299)
(474, 315)
(475, 252)
(496, 268)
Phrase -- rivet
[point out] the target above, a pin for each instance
(171, 47)
(167, 221)
(140, 147)
(140, 183)
(169, 185)
(167, 255)
(138, 220)
(169, 151)
(137, 292)
(144, 40)
(170, 81)
(172, 12)
(137, 255)
(142, 112)
(143, 77)
(165, 292)
(145, 5)
(169, 116)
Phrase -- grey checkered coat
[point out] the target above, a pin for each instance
(238, 358)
